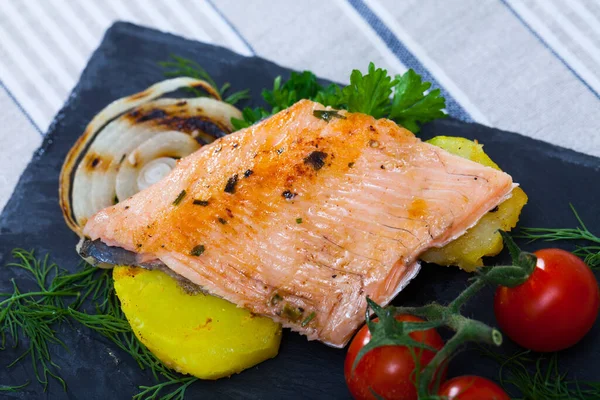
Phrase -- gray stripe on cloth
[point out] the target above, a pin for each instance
(15, 153)
(21, 108)
(322, 39)
(571, 31)
(512, 77)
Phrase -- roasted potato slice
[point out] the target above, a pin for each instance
(194, 334)
(482, 240)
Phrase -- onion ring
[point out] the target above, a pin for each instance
(115, 156)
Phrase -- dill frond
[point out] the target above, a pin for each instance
(590, 252)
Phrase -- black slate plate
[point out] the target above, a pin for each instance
(126, 62)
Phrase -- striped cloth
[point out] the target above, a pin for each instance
(529, 66)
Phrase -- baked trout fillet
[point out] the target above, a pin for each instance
(303, 215)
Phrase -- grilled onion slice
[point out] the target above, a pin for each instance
(134, 142)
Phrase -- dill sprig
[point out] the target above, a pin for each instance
(34, 315)
(109, 321)
(539, 377)
(589, 252)
(86, 296)
(14, 388)
(179, 66)
(178, 393)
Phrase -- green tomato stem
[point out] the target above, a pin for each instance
(467, 330)
(470, 331)
(469, 292)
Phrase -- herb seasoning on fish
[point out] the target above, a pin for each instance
(316, 159)
(288, 195)
(179, 198)
(327, 115)
(291, 312)
(198, 250)
(202, 203)
(231, 182)
(308, 319)
(276, 298)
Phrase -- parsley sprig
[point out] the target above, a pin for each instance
(411, 106)
(29, 319)
(405, 98)
(590, 251)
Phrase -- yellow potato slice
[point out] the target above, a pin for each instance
(195, 334)
(464, 148)
(482, 240)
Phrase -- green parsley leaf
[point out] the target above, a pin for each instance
(279, 97)
(403, 99)
(370, 93)
(411, 106)
(250, 116)
(330, 96)
(406, 99)
(299, 86)
(304, 85)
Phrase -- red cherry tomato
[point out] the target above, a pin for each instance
(554, 308)
(470, 387)
(388, 371)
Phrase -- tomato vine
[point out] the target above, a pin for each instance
(390, 332)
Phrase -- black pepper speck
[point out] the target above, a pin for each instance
(288, 195)
(231, 183)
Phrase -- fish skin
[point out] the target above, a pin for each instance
(374, 199)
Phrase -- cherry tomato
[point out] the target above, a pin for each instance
(388, 371)
(554, 308)
(470, 387)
